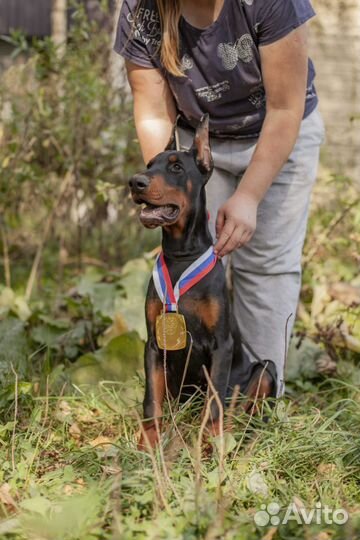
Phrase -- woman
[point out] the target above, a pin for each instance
(245, 63)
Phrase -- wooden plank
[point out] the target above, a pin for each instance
(32, 17)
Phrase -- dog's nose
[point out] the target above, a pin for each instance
(138, 183)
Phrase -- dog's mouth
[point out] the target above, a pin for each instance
(152, 215)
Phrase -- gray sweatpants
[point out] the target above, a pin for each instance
(266, 272)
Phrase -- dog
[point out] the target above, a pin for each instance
(172, 192)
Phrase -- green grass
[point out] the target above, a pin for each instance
(69, 464)
(70, 468)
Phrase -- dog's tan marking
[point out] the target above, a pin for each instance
(156, 190)
(207, 310)
(153, 309)
(173, 158)
(158, 385)
(151, 428)
(189, 186)
(160, 193)
(179, 198)
(149, 436)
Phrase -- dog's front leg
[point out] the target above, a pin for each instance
(221, 359)
(154, 396)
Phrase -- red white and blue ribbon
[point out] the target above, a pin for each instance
(170, 295)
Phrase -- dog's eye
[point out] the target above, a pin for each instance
(176, 168)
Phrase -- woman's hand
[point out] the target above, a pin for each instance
(235, 223)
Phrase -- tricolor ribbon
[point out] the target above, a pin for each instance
(170, 295)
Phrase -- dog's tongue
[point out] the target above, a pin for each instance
(153, 216)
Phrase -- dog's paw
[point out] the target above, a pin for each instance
(260, 388)
(149, 438)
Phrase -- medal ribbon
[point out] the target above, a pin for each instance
(170, 295)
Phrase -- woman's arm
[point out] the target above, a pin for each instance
(154, 109)
(284, 70)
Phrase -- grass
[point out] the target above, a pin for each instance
(70, 468)
(69, 464)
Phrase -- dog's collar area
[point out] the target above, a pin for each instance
(169, 294)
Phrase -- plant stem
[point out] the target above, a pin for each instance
(35, 267)
(7, 270)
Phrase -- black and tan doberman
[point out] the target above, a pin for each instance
(172, 192)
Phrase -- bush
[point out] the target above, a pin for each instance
(68, 148)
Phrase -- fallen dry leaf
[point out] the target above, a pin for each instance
(298, 502)
(68, 489)
(111, 470)
(270, 534)
(5, 496)
(63, 411)
(322, 536)
(118, 328)
(326, 469)
(345, 293)
(75, 431)
(80, 482)
(101, 442)
(257, 484)
(64, 406)
(86, 417)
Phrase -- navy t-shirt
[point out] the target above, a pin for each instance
(221, 62)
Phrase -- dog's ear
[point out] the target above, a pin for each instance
(201, 146)
(172, 144)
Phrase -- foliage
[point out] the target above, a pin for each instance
(69, 430)
(72, 336)
(77, 474)
(67, 149)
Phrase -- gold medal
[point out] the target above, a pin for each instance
(170, 331)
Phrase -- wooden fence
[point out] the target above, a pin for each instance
(32, 16)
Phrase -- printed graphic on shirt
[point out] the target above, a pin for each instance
(229, 57)
(231, 53)
(310, 92)
(258, 98)
(214, 92)
(187, 63)
(146, 26)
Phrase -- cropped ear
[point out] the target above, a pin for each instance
(172, 144)
(201, 145)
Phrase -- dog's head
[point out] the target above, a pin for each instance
(170, 187)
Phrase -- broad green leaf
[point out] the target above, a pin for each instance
(117, 361)
(133, 312)
(40, 505)
(13, 347)
(135, 277)
(68, 519)
(102, 295)
(256, 483)
(11, 302)
(47, 335)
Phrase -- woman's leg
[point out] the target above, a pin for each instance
(267, 271)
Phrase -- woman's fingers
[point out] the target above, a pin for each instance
(225, 235)
(235, 224)
(220, 220)
(236, 240)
